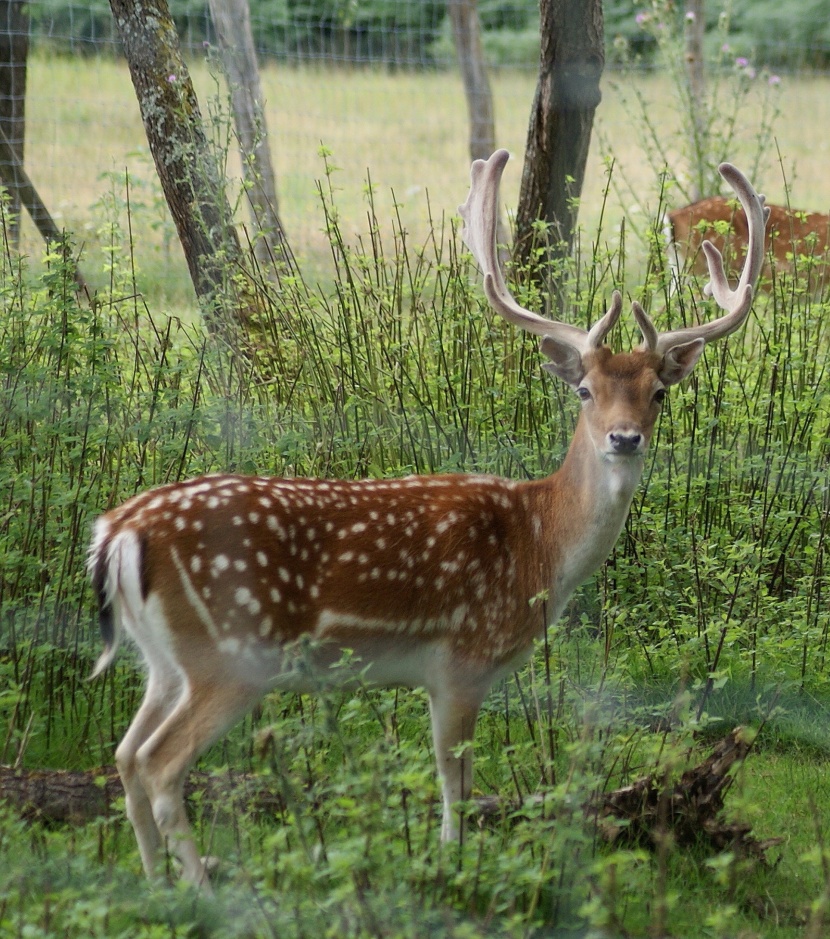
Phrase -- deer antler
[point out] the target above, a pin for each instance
(736, 302)
(480, 213)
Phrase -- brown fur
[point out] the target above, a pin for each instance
(789, 233)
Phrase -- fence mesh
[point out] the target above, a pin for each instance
(356, 93)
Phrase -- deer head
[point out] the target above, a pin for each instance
(578, 356)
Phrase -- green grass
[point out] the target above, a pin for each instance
(85, 135)
(711, 612)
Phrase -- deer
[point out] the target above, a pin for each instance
(235, 586)
(790, 233)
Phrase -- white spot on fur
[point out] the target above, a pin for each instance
(218, 564)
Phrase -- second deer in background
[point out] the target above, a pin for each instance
(790, 234)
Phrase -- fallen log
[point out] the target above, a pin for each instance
(645, 813)
(76, 797)
(650, 812)
(690, 812)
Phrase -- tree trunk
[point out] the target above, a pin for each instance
(695, 25)
(187, 167)
(232, 21)
(23, 191)
(466, 31)
(14, 54)
(562, 116)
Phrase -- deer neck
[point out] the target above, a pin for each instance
(587, 503)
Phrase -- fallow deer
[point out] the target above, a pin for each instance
(233, 586)
(790, 234)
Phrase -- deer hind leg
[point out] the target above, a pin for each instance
(204, 712)
(454, 718)
(163, 687)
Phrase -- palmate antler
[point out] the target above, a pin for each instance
(480, 214)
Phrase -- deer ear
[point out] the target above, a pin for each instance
(565, 361)
(679, 361)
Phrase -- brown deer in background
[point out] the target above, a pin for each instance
(233, 586)
(723, 222)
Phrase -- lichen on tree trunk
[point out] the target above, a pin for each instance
(187, 166)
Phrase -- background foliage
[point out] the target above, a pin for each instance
(710, 612)
(414, 33)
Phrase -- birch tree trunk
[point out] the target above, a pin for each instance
(466, 31)
(188, 169)
(232, 21)
(562, 116)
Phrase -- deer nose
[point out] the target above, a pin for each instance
(625, 441)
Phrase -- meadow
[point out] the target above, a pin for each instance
(382, 360)
(85, 141)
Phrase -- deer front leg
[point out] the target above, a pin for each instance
(453, 726)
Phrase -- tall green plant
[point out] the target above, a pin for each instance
(712, 608)
(711, 127)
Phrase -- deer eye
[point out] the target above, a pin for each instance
(659, 395)
(583, 394)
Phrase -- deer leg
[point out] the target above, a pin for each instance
(453, 724)
(202, 715)
(162, 690)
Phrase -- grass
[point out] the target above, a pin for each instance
(711, 612)
(81, 144)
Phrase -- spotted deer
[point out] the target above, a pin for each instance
(233, 586)
(789, 234)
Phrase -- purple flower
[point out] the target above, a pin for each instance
(641, 19)
(171, 78)
(690, 16)
(741, 62)
(725, 47)
(775, 80)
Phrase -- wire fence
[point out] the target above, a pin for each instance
(365, 101)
